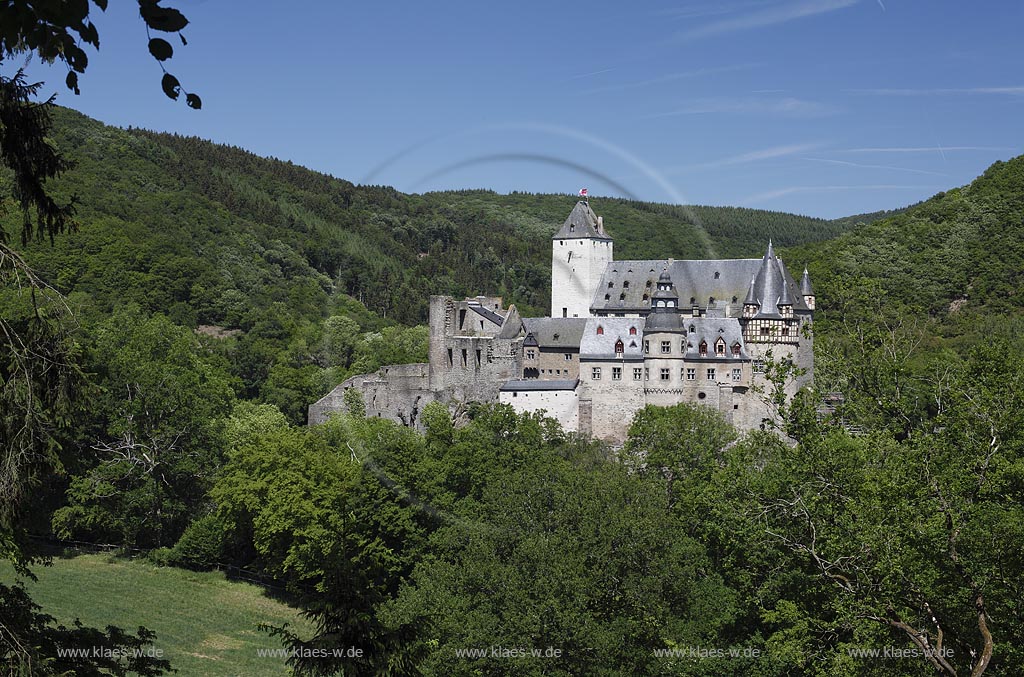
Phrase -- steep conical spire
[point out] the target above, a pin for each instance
(770, 284)
(785, 299)
(751, 299)
(805, 284)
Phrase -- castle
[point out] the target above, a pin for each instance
(621, 335)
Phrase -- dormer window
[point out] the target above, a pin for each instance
(693, 330)
(736, 350)
(720, 348)
(703, 348)
(646, 298)
(607, 297)
(619, 348)
(622, 296)
(572, 227)
(611, 284)
(693, 300)
(648, 285)
(632, 331)
(625, 285)
(600, 330)
(717, 274)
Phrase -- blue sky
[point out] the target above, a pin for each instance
(820, 107)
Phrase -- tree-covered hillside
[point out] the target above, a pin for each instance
(216, 235)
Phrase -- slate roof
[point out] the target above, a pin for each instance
(710, 329)
(582, 223)
(596, 346)
(486, 312)
(805, 284)
(535, 384)
(692, 279)
(569, 331)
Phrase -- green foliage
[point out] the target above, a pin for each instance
(159, 438)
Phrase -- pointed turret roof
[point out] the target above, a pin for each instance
(751, 299)
(805, 284)
(770, 285)
(582, 223)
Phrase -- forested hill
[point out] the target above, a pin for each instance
(218, 234)
(960, 252)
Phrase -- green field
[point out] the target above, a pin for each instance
(205, 624)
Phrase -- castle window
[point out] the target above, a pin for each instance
(478, 358)
(568, 357)
(691, 374)
(646, 298)
(711, 300)
(464, 357)
(530, 354)
(711, 373)
(632, 331)
(600, 330)
(758, 366)
(595, 373)
(572, 227)
(765, 331)
(450, 357)
(616, 373)
(703, 348)
(734, 299)
(785, 331)
(701, 396)
(625, 285)
(611, 284)
(693, 330)
(736, 350)
(717, 275)
(666, 347)
(648, 284)
(622, 296)
(736, 373)
(664, 374)
(693, 300)
(647, 347)
(619, 348)
(569, 260)
(720, 348)
(607, 297)
(638, 373)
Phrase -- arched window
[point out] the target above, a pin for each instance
(600, 330)
(632, 331)
(703, 348)
(619, 348)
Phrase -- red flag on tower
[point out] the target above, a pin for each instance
(583, 192)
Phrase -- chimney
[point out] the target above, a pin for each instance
(600, 224)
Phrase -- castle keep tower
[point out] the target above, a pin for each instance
(580, 253)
